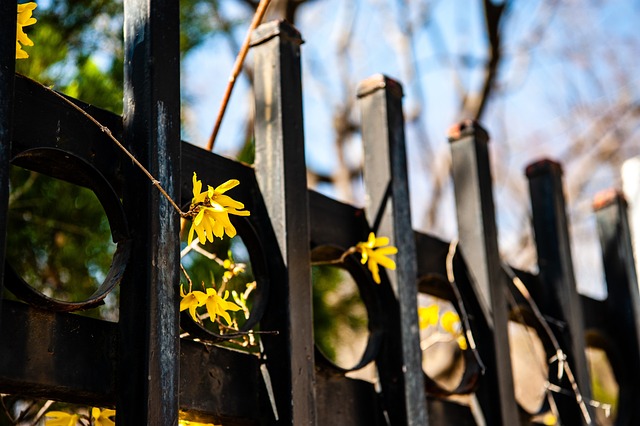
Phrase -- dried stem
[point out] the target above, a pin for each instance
(107, 131)
(257, 18)
(184, 271)
(337, 261)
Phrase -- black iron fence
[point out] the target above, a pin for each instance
(141, 366)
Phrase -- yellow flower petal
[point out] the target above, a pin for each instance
(197, 186)
(382, 260)
(428, 315)
(60, 418)
(381, 241)
(451, 323)
(24, 19)
(462, 342)
(373, 253)
(226, 201)
(549, 419)
(212, 210)
(20, 54)
(191, 301)
(218, 306)
(102, 417)
(375, 272)
(191, 231)
(231, 183)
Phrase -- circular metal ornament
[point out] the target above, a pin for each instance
(66, 166)
(370, 295)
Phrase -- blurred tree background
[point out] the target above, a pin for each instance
(554, 79)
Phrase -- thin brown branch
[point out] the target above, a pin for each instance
(257, 18)
(474, 106)
(119, 144)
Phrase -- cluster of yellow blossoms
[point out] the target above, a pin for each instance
(210, 211)
(374, 253)
(24, 19)
(216, 305)
(449, 321)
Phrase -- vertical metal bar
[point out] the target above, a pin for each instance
(479, 243)
(387, 192)
(623, 300)
(631, 188)
(149, 351)
(7, 72)
(556, 273)
(281, 174)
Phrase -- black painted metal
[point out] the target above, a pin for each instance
(619, 325)
(389, 214)
(73, 358)
(556, 273)
(57, 355)
(7, 72)
(281, 174)
(479, 242)
(148, 356)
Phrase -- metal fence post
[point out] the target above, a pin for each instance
(387, 192)
(623, 300)
(479, 243)
(281, 174)
(149, 350)
(7, 71)
(556, 273)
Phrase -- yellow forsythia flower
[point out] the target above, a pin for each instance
(450, 322)
(373, 253)
(428, 315)
(549, 419)
(217, 305)
(191, 301)
(24, 19)
(60, 418)
(102, 417)
(210, 211)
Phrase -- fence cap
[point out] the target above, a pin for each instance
(377, 82)
(278, 27)
(467, 128)
(543, 167)
(607, 197)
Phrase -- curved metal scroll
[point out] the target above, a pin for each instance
(473, 370)
(370, 297)
(71, 168)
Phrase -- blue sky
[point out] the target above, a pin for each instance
(564, 65)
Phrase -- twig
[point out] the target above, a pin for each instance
(257, 18)
(184, 271)
(42, 411)
(119, 144)
(560, 357)
(337, 261)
